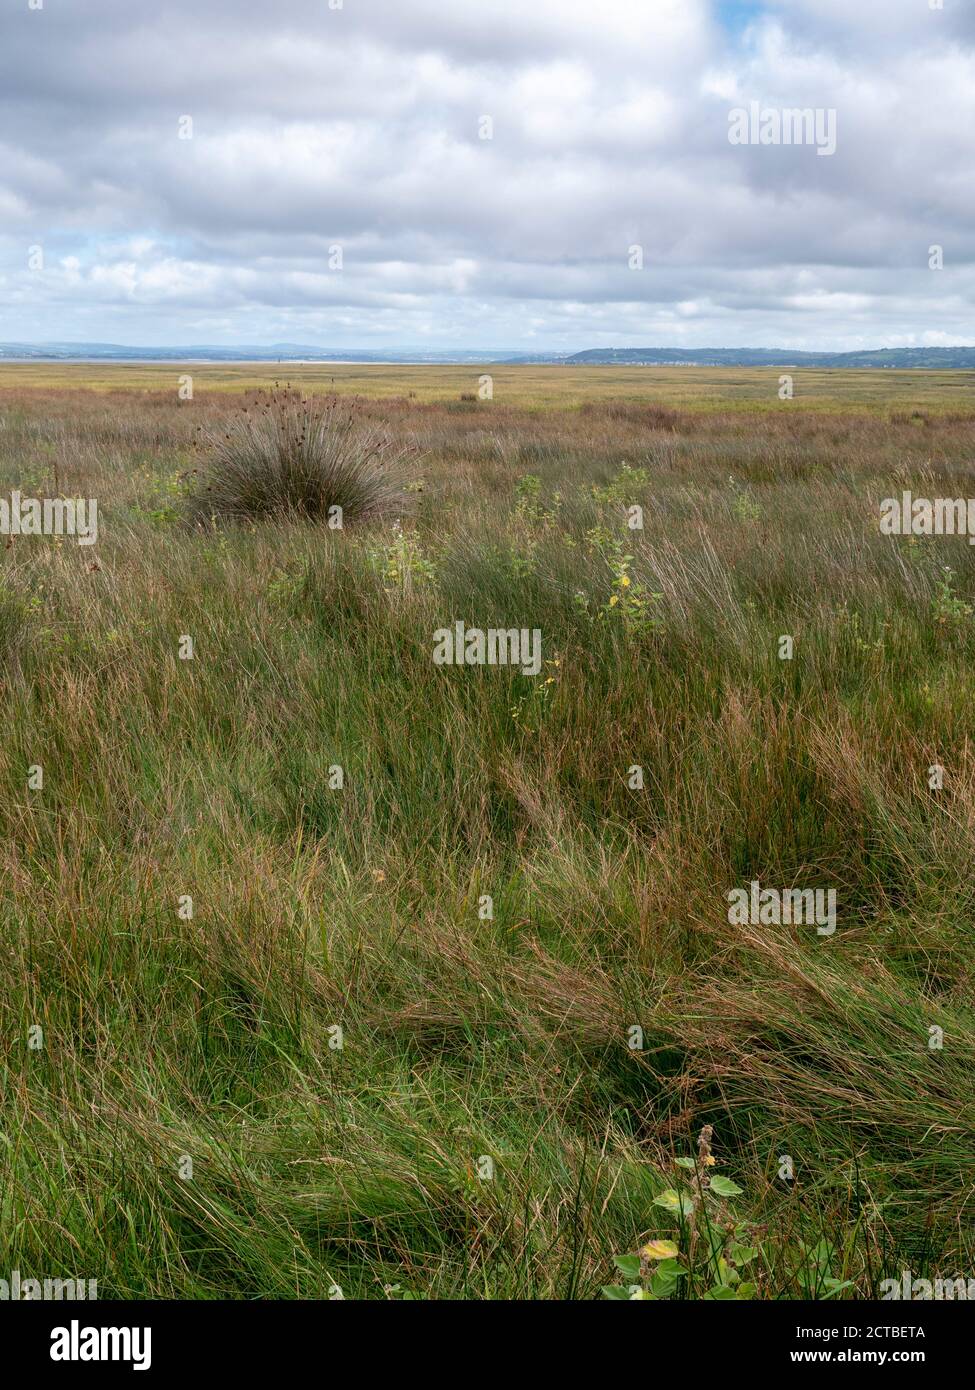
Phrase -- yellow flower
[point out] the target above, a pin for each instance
(614, 600)
(625, 582)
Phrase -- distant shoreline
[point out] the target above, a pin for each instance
(788, 359)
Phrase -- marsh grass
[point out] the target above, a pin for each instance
(214, 1037)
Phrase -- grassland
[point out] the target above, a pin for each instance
(530, 388)
(212, 1037)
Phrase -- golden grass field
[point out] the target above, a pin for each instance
(689, 388)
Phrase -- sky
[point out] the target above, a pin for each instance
(485, 174)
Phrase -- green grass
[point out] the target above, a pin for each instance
(465, 1036)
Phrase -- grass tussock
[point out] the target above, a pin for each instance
(297, 457)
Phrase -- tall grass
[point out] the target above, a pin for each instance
(213, 1036)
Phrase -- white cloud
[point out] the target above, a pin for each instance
(360, 127)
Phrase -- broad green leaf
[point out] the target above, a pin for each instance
(663, 1285)
(628, 1265)
(675, 1202)
(819, 1256)
(720, 1291)
(616, 1292)
(724, 1187)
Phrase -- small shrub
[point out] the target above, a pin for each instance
(948, 609)
(530, 509)
(620, 491)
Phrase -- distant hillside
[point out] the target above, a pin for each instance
(944, 357)
(933, 357)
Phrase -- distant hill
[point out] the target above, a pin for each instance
(944, 357)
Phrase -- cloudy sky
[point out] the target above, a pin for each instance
(360, 125)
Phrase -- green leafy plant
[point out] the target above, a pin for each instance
(744, 504)
(402, 562)
(630, 604)
(529, 507)
(713, 1246)
(619, 491)
(948, 609)
(716, 1253)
